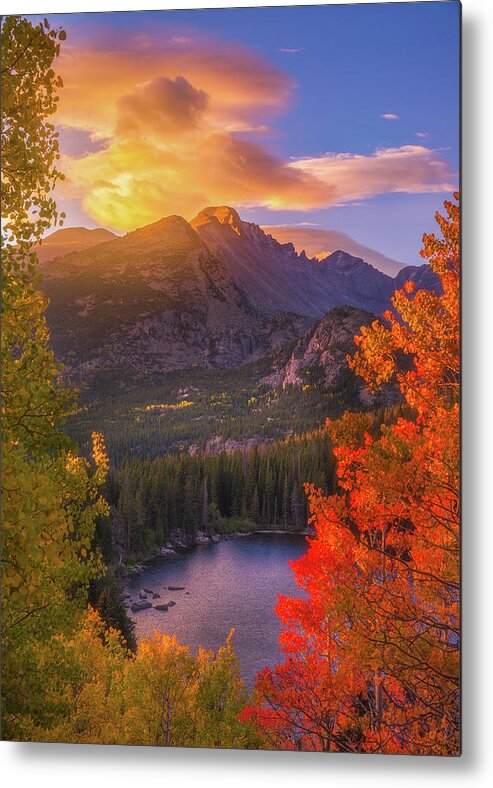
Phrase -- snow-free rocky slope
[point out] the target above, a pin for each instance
(319, 358)
(213, 292)
(278, 279)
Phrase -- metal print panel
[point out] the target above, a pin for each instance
(231, 378)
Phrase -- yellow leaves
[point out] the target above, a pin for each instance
(161, 695)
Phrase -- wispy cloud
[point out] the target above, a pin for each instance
(390, 116)
(288, 51)
(182, 40)
(422, 134)
(412, 169)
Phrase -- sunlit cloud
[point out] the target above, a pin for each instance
(242, 86)
(390, 116)
(133, 181)
(412, 169)
(163, 107)
(288, 51)
(422, 134)
(168, 128)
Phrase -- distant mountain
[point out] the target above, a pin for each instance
(213, 292)
(70, 239)
(320, 243)
(422, 276)
(277, 278)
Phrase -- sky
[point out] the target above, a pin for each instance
(339, 117)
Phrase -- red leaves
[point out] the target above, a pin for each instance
(372, 655)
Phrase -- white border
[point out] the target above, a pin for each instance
(50, 766)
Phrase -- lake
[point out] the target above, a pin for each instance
(234, 583)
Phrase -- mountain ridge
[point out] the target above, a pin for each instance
(216, 291)
(319, 243)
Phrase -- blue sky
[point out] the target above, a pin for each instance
(344, 67)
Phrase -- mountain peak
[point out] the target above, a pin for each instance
(78, 235)
(344, 261)
(174, 231)
(221, 213)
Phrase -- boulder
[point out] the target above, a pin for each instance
(167, 551)
(143, 594)
(156, 596)
(160, 607)
(171, 603)
(148, 590)
(140, 606)
(176, 588)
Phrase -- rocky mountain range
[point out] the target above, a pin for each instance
(213, 292)
(319, 243)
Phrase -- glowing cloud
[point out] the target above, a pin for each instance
(157, 124)
(413, 169)
(390, 116)
(241, 85)
(163, 106)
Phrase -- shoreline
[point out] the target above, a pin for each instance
(179, 547)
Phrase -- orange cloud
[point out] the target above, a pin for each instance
(412, 169)
(164, 106)
(240, 84)
(134, 181)
(166, 116)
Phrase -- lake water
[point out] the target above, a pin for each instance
(234, 583)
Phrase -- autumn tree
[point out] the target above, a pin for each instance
(161, 695)
(67, 675)
(372, 653)
(50, 496)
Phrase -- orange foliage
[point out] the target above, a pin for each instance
(372, 652)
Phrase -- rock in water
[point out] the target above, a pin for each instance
(140, 606)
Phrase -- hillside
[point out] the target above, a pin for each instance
(318, 360)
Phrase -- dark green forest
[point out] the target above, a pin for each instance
(217, 493)
(148, 416)
(159, 500)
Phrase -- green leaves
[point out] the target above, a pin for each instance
(50, 497)
(29, 145)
